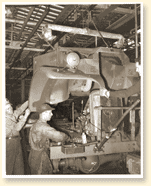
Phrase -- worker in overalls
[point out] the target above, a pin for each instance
(39, 136)
(14, 123)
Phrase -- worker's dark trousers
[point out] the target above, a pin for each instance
(14, 159)
(39, 162)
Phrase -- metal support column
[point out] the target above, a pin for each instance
(132, 121)
(22, 133)
(73, 115)
(10, 94)
(136, 36)
(22, 90)
(99, 132)
(96, 42)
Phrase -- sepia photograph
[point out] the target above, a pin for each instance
(73, 90)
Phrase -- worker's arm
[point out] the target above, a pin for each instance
(20, 110)
(22, 120)
(53, 134)
(126, 92)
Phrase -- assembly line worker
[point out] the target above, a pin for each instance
(39, 136)
(14, 123)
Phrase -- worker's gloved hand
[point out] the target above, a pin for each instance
(25, 116)
(77, 139)
(67, 139)
(27, 112)
(138, 68)
(104, 92)
(84, 112)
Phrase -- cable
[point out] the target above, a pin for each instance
(99, 32)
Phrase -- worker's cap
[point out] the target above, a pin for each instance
(44, 107)
(7, 103)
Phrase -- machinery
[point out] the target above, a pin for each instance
(98, 135)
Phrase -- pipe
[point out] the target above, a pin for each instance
(84, 31)
(73, 115)
(18, 68)
(87, 86)
(25, 48)
(136, 36)
(32, 23)
(96, 41)
(21, 42)
(114, 108)
(133, 30)
(74, 30)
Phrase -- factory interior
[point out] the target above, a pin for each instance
(78, 59)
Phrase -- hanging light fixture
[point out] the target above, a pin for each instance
(47, 33)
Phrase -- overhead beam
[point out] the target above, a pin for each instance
(123, 10)
(83, 31)
(67, 10)
(22, 5)
(16, 31)
(120, 21)
(25, 48)
(91, 7)
(18, 68)
(106, 12)
(21, 42)
(29, 23)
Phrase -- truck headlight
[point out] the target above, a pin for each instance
(73, 59)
